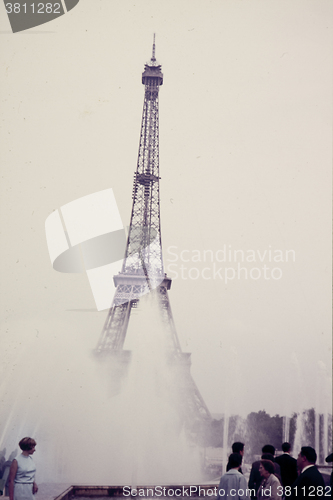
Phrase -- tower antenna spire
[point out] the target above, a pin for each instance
(153, 58)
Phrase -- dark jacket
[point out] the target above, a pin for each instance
(307, 485)
(288, 466)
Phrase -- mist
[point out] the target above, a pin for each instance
(87, 434)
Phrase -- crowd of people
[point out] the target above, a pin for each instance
(275, 478)
(271, 478)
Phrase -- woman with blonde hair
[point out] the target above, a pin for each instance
(21, 479)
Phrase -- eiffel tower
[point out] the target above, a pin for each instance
(142, 270)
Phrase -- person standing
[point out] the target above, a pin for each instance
(270, 487)
(237, 448)
(310, 483)
(233, 484)
(288, 466)
(21, 479)
(268, 452)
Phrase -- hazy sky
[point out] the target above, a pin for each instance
(245, 159)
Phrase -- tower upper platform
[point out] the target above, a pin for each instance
(152, 70)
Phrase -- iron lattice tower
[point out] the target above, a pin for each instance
(142, 268)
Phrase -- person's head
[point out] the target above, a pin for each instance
(234, 461)
(286, 447)
(267, 456)
(307, 456)
(27, 445)
(238, 448)
(266, 468)
(268, 448)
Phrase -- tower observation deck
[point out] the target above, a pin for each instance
(142, 270)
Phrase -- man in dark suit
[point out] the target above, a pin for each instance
(310, 483)
(288, 466)
(255, 479)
